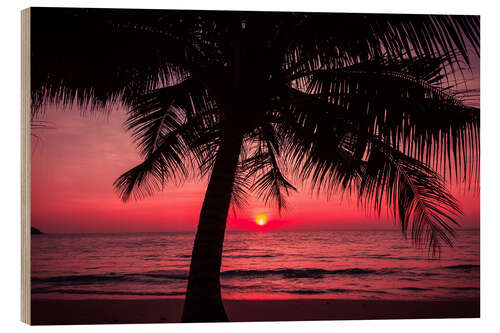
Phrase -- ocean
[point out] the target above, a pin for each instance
(256, 265)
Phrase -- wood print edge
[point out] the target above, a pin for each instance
(25, 166)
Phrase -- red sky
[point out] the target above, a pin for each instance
(75, 163)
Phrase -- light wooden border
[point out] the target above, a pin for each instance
(25, 167)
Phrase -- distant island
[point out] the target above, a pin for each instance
(35, 231)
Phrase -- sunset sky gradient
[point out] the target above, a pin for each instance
(76, 160)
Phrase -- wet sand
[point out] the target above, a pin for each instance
(114, 311)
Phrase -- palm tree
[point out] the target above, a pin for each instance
(341, 102)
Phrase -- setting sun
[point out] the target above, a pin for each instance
(261, 219)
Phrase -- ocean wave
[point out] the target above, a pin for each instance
(90, 278)
(161, 275)
(306, 292)
(303, 273)
(111, 277)
(237, 256)
(102, 292)
(422, 274)
(249, 256)
(460, 288)
(332, 291)
(415, 289)
(155, 276)
(463, 267)
(237, 249)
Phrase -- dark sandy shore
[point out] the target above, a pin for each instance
(107, 311)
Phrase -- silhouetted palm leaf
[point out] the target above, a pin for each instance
(416, 193)
(263, 171)
(404, 103)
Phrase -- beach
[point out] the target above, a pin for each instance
(169, 310)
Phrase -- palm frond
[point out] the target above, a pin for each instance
(166, 163)
(325, 41)
(176, 151)
(335, 158)
(404, 103)
(239, 193)
(156, 113)
(103, 57)
(417, 194)
(263, 171)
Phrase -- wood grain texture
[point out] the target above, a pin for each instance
(25, 166)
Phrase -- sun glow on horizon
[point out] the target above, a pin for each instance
(261, 220)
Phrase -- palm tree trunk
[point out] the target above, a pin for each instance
(203, 301)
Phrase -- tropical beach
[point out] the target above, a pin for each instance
(64, 312)
(273, 275)
(206, 166)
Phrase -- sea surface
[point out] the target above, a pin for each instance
(256, 265)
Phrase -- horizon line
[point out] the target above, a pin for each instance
(238, 230)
